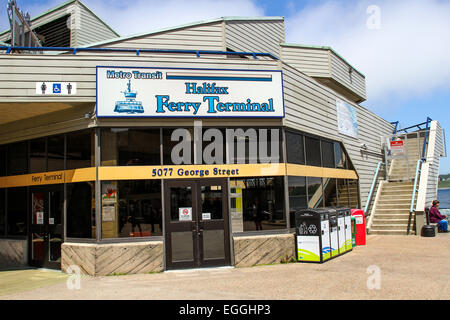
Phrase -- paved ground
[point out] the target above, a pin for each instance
(410, 268)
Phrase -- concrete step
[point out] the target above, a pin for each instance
(393, 206)
(382, 216)
(378, 221)
(392, 211)
(390, 227)
(389, 232)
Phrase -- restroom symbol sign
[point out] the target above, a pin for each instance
(57, 88)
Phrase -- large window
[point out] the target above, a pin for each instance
(312, 146)
(2, 161)
(297, 197)
(131, 208)
(353, 193)
(2, 213)
(17, 211)
(81, 210)
(339, 156)
(257, 204)
(80, 149)
(295, 148)
(55, 153)
(181, 150)
(315, 192)
(330, 192)
(38, 155)
(327, 154)
(128, 147)
(17, 162)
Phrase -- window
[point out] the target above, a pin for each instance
(297, 197)
(55, 153)
(17, 211)
(353, 193)
(128, 147)
(180, 151)
(295, 148)
(38, 155)
(312, 146)
(327, 154)
(339, 156)
(80, 149)
(2, 213)
(2, 161)
(258, 204)
(342, 188)
(81, 210)
(131, 208)
(330, 192)
(17, 162)
(315, 192)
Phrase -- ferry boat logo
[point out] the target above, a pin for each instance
(130, 105)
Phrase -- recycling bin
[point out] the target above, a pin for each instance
(340, 212)
(334, 244)
(348, 230)
(344, 230)
(312, 235)
(353, 231)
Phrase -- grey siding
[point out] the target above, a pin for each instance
(340, 72)
(311, 107)
(313, 62)
(197, 37)
(90, 28)
(255, 36)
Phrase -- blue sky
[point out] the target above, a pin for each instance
(402, 47)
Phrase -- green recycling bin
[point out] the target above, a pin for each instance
(353, 221)
(312, 235)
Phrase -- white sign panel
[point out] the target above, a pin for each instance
(39, 217)
(195, 93)
(346, 118)
(56, 88)
(206, 216)
(185, 214)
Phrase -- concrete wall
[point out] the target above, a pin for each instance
(265, 249)
(13, 253)
(117, 258)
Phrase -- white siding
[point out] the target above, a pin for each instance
(434, 153)
(313, 62)
(255, 36)
(311, 107)
(198, 37)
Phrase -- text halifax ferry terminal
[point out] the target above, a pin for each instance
(164, 104)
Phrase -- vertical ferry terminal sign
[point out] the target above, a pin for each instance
(195, 93)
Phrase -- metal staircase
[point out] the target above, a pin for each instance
(393, 209)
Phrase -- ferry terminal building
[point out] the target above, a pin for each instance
(122, 154)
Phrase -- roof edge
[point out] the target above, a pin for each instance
(198, 23)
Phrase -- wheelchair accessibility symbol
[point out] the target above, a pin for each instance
(57, 88)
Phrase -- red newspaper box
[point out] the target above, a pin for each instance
(360, 226)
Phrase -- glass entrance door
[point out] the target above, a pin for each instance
(46, 232)
(196, 224)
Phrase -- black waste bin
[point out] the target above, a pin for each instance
(312, 235)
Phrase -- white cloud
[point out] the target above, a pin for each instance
(408, 56)
(145, 16)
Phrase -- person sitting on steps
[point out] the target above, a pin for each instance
(437, 217)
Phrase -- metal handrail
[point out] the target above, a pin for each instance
(372, 188)
(413, 197)
(74, 51)
(418, 169)
(425, 142)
